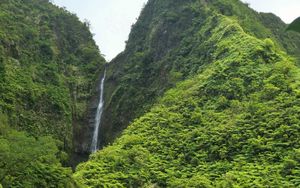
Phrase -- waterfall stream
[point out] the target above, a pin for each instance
(94, 145)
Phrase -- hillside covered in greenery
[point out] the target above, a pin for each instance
(295, 25)
(206, 94)
(49, 65)
(167, 45)
(232, 117)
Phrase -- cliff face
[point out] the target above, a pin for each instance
(231, 118)
(165, 47)
(49, 66)
(84, 127)
(211, 87)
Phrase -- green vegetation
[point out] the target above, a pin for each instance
(49, 65)
(295, 25)
(288, 40)
(26, 161)
(211, 87)
(235, 124)
(168, 44)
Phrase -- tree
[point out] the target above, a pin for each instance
(28, 161)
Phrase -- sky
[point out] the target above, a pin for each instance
(111, 20)
(287, 10)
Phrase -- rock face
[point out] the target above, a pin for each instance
(83, 134)
(160, 49)
(49, 65)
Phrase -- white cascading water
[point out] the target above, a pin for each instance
(94, 145)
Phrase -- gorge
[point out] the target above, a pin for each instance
(205, 94)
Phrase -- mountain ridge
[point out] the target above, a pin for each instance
(206, 94)
(222, 128)
(162, 38)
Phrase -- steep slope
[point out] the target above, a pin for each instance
(295, 25)
(49, 67)
(165, 47)
(234, 124)
(288, 40)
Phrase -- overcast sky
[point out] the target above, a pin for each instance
(111, 20)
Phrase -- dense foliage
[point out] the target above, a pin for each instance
(295, 25)
(49, 65)
(236, 123)
(231, 119)
(165, 47)
(26, 161)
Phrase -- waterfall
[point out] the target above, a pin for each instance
(94, 145)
